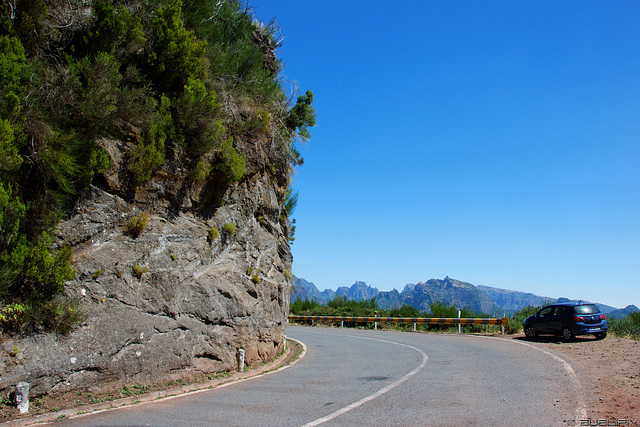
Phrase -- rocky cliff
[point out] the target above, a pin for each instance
(171, 298)
(156, 140)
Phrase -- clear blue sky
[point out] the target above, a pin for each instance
(494, 142)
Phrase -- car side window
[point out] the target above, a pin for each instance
(546, 312)
(560, 311)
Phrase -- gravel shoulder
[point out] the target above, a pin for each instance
(610, 372)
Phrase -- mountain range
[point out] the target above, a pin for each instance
(480, 299)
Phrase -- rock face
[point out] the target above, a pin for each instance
(172, 298)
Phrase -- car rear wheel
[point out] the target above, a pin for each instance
(567, 334)
(601, 335)
(530, 332)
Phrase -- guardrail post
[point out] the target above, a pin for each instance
(459, 325)
(342, 323)
(375, 324)
(414, 327)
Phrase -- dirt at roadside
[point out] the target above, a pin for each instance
(610, 372)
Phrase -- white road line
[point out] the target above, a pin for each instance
(380, 392)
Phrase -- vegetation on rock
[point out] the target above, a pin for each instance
(183, 84)
(214, 234)
(137, 224)
(229, 229)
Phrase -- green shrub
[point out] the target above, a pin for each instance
(288, 275)
(145, 158)
(198, 118)
(303, 307)
(348, 307)
(236, 57)
(291, 201)
(255, 279)
(11, 316)
(138, 270)
(60, 315)
(113, 30)
(440, 309)
(136, 225)
(177, 55)
(44, 273)
(627, 327)
(404, 311)
(260, 123)
(292, 232)
(231, 166)
(13, 244)
(514, 325)
(201, 171)
(214, 234)
(97, 274)
(229, 229)
(302, 116)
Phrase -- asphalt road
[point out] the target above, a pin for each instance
(381, 378)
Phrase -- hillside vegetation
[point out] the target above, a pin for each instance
(180, 83)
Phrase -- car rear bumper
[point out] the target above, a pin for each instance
(590, 329)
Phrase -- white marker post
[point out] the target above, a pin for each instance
(22, 397)
(240, 357)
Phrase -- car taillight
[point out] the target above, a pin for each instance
(603, 317)
(578, 319)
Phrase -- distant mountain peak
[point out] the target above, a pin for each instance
(482, 299)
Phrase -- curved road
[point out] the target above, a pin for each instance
(364, 377)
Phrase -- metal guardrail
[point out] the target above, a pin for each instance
(429, 320)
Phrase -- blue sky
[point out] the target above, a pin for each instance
(497, 143)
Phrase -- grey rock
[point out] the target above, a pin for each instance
(196, 304)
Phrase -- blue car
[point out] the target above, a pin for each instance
(567, 320)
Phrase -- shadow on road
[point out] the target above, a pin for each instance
(550, 339)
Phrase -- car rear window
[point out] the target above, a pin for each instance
(586, 309)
